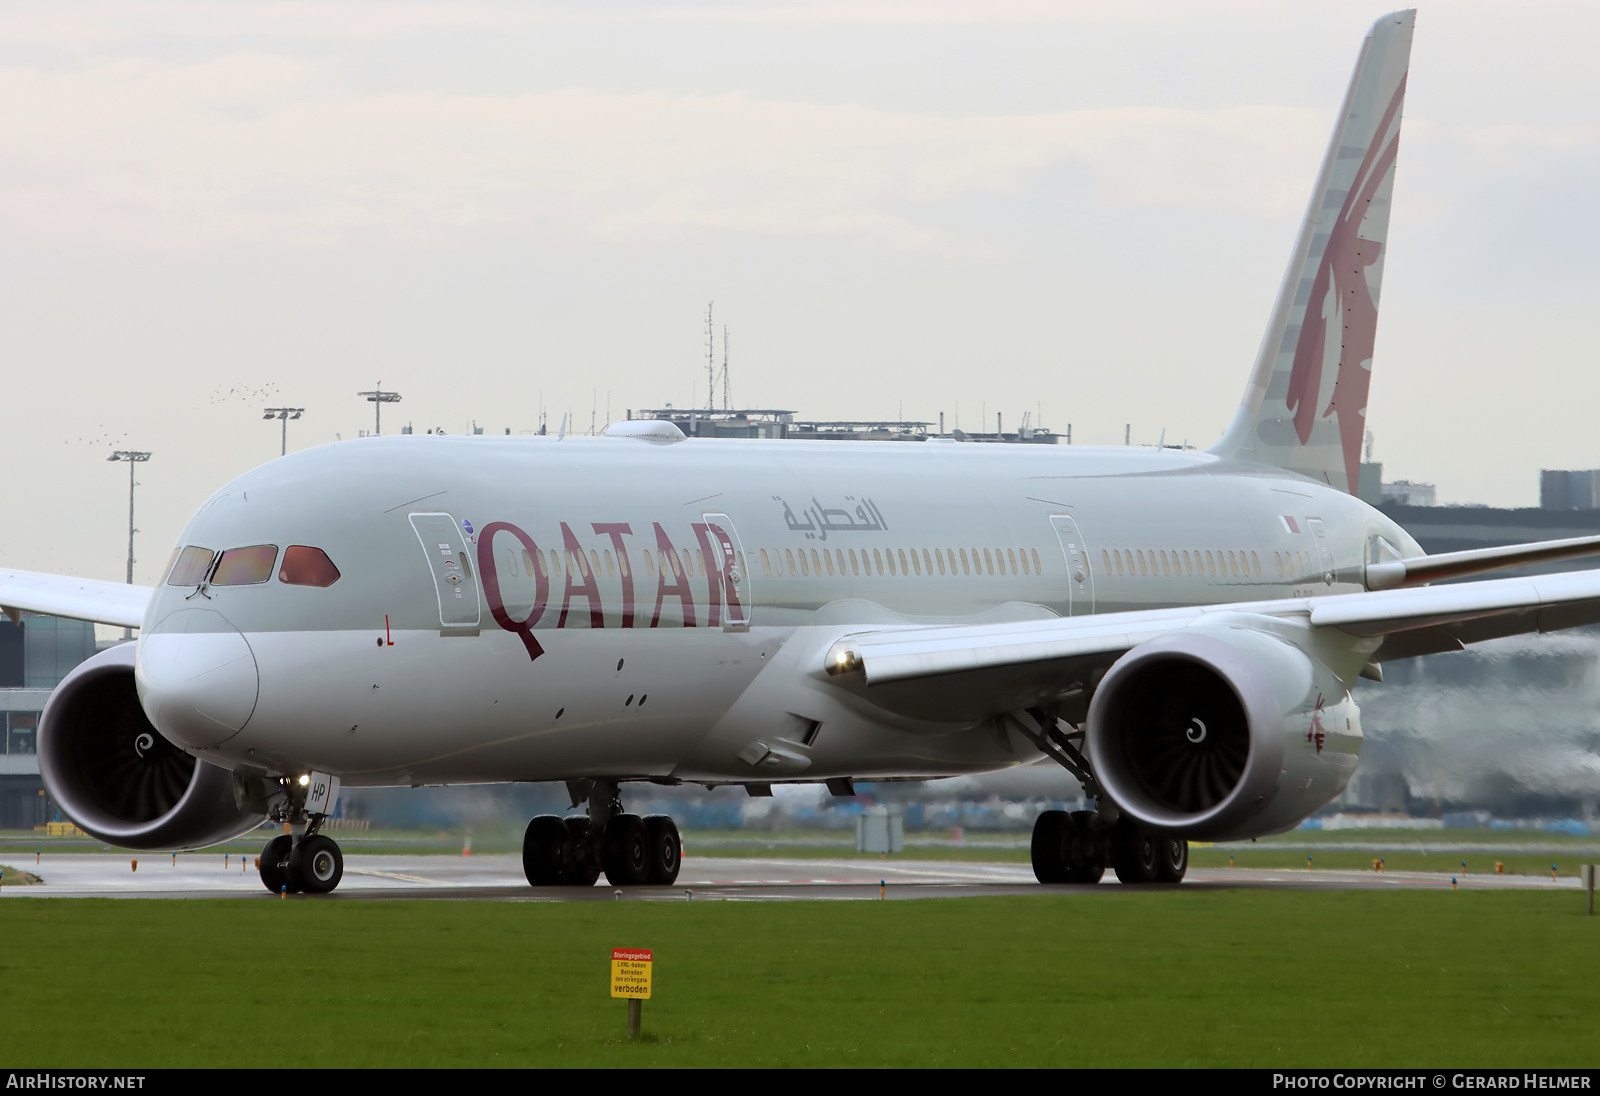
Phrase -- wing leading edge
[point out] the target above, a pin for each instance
(89, 599)
(969, 672)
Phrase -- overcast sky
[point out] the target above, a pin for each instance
(900, 208)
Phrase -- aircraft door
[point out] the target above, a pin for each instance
(1319, 533)
(450, 564)
(1080, 579)
(722, 541)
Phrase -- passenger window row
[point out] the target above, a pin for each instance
(1184, 562)
(905, 562)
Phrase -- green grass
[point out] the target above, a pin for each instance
(1109, 978)
(12, 877)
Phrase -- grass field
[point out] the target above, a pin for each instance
(1265, 979)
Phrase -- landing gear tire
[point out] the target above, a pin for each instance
(275, 865)
(1051, 831)
(1173, 858)
(546, 851)
(582, 871)
(317, 865)
(665, 849)
(625, 852)
(1068, 848)
(1086, 862)
(1135, 852)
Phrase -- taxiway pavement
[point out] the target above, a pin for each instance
(499, 878)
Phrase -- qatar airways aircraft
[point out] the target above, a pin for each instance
(1179, 630)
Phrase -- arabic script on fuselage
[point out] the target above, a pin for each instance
(816, 521)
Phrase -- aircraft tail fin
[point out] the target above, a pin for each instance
(1305, 405)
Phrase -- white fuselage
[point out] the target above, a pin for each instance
(539, 609)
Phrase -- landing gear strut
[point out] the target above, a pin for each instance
(631, 850)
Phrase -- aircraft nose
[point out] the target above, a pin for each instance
(197, 678)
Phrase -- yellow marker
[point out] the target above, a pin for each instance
(135, 865)
(630, 978)
(630, 972)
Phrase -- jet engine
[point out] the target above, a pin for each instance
(1225, 730)
(114, 774)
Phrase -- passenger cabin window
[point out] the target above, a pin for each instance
(191, 566)
(304, 565)
(245, 566)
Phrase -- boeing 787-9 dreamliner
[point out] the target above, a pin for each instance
(1180, 630)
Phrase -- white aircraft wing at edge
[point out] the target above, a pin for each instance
(89, 599)
(996, 665)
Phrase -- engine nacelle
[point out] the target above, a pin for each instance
(1223, 731)
(114, 774)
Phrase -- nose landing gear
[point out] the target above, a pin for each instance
(630, 850)
(314, 866)
(301, 860)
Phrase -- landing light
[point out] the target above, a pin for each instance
(844, 662)
(305, 779)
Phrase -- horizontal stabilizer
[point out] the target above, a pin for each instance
(118, 603)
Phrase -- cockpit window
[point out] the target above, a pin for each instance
(306, 566)
(191, 566)
(245, 566)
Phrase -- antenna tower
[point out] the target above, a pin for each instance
(711, 361)
(727, 389)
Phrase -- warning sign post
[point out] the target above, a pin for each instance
(630, 978)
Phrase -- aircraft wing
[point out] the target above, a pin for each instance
(960, 671)
(90, 599)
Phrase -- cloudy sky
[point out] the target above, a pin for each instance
(504, 210)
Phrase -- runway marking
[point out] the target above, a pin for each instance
(395, 875)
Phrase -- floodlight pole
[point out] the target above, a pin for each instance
(283, 415)
(133, 457)
(378, 398)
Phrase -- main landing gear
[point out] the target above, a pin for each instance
(630, 850)
(1077, 847)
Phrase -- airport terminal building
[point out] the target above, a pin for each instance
(36, 652)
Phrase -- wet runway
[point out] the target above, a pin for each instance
(499, 878)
